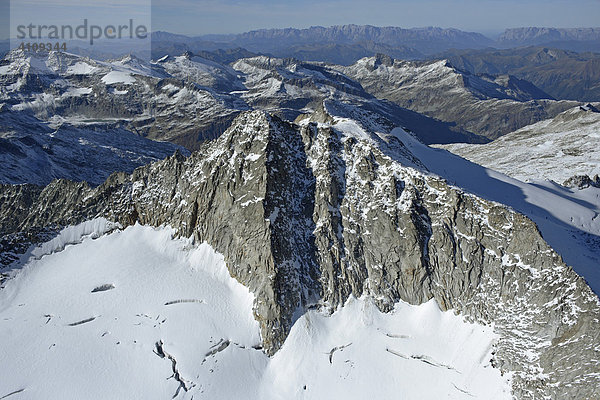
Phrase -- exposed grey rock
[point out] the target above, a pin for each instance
(310, 214)
(582, 182)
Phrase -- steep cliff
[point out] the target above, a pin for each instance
(309, 214)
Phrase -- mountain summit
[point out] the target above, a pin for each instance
(338, 206)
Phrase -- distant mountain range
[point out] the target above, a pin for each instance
(561, 62)
(344, 44)
(425, 40)
(487, 105)
(563, 74)
(582, 39)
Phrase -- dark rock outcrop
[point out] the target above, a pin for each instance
(582, 182)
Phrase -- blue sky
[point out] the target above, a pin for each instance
(195, 17)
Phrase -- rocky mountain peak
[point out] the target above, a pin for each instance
(383, 59)
(311, 214)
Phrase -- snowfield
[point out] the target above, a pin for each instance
(118, 77)
(81, 68)
(137, 314)
(414, 352)
(554, 149)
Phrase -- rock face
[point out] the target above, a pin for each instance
(310, 214)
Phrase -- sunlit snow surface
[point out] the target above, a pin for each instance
(554, 149)
(141, 288)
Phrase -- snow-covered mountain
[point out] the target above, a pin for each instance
(334, 224)
(156, 318)
(290, 88)
(486, 105)
(142, 95)
(556, 149)
(185, 99)
(314, 247)
(198, 70)
(63, 116)
(107, 110)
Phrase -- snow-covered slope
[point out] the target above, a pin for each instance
(32, 151)
(201, 71)
(554, 149)
(137, 314)
(359, 352)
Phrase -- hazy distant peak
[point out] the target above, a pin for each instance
(536, 35)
